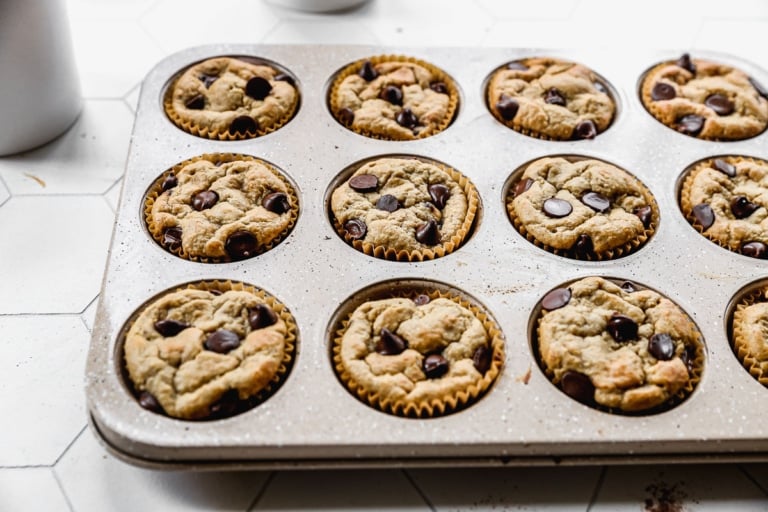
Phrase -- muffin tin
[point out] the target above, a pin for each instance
(312, 420)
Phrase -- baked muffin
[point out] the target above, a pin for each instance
(419, 356)
(228, 98)
(749, 333)
(618, 347)
(550, 99)
(404, 209)
(582, 208)
(705, 99)
(220, 207)
(393, 98)
(726, 199)
(209, 350)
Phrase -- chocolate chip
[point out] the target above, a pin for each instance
(368, 72)
(226, 406)
(346, 116)
(720, 104)
(628, 286)
(577, 386)
(585, 130)
(170, 327)
(661, 346)
(761, 90)
(261, 316)
(690, 124)
(554, 97)
(507, 107)
(557, 208)
(388, 203)
(243, 125)
(392, 94)
(428, 234)
(172, 238)
(755, 250)
(600, 87)
(207, 79)
(583, 247)
(622, 328)
(689, 357)
(258, 88)
(169, 182)
(517, 66)
(196, 103)
(241, 244)
(741, 207)
(435, 366)
(704, 215)
(439, 87)
(407, 119)
(556, 299)
(662, 91)
(421, 299)
(276, 202)
(439, 194)
(222, 341)
(596, 201)
(645, 214)
(356, 229)
(282, 77)
(724, 167)
(148, 401)
(390, 344)
(204, 200)
(364, 183)
(685, 62)
(522, 185)
(481, 359)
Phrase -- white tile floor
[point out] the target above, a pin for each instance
(57, 206)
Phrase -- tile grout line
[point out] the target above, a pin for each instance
(63, 491)
(598, 488)
(752, 479)
(420, 492)
(66, 449)
(262, 491)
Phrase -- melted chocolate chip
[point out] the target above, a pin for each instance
(148, 401)
(690, 124)
(392, 94)
(439, 87)
(689, 357)
(243, 125)
(507, 107)
(222, 341)
(522, 185)
(661, 346)
(388, 203)
(596, 201)
(583, 248)
(556, 299)
(435, 366)
(241, 244)
(628, 286)
(599, 87)
(755, 250)
(557, 208)
(364, 183)
(204, 200)
(741, 207)
(622, 328)
(172, 238)
(761, 90)
(428, 234)
(226, 406)
(282, 77)
(407, 119)
(517, 66)
(169, 327)
(196, 103)
(439, 194)
(585, 130)
(685, 62)
(258, 88)
(703, 215)
(481, 358)
(356, 229)
(207, 79)
(720, 104)
(662, 91)
(390, 344)
(276, 202)
(368, 72)
(346, 116)
(724, 167)
(169, 182)
(421, 299)
(554, 97)
(261, 316)
(645, 214)
(577, 386)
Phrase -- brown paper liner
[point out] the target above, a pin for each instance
(388, 253)
(222, 286)
(436, 406)
(756, 367)
(453, 94)
(206, 133)
(156, 189)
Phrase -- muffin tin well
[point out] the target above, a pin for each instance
(312, 420)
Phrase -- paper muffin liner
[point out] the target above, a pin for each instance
(757, 368)
(611, 254)
(389, 253)
(156, 189)
(221, 286)
(695, 365)
(434, 406)
(201, 131)
(442, 76)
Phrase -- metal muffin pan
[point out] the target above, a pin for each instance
(312, 420)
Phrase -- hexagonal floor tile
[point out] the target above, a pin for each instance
(88, 159)
(93, 479)
(42, 361)
(321, 31)
(31, 489)
(55, 247)
(4, 194)
(112, 10)
(506, 10)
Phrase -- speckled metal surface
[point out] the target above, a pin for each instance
(313, 421)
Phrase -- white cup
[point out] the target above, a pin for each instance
(318, 5)
(39, 87)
